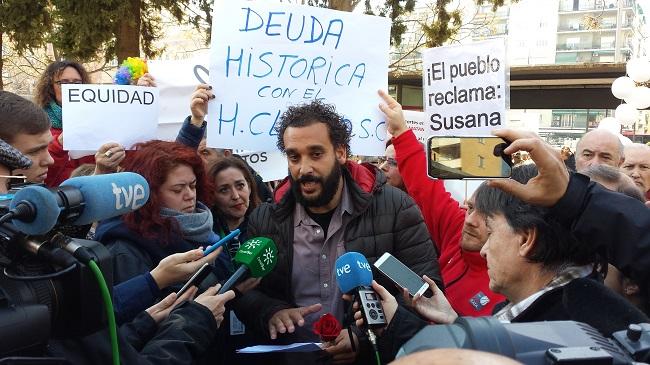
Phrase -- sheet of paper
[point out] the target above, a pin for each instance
(294, 347)
(95, 114)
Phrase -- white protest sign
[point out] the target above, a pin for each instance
(176, 80)
(96, 114)
(416, 122)
(270, 165)
(265, 57)
(465, 88)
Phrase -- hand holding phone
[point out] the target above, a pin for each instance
(196, 279)
(401, 275)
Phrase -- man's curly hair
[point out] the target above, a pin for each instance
(340, 130)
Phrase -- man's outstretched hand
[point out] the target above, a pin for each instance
(551, 182)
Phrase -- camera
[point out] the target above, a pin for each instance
(46, 291)
(537, 343)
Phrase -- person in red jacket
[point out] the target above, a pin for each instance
(48, 96)
(458, 234)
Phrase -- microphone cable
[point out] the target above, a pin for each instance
(110, 313)
(373, 341)
(7, 216)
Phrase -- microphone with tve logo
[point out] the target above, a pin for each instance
(81, 200)
(256, 256)
(354, 276)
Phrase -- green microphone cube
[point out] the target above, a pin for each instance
(259, 255)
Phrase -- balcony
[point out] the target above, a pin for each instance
(570, 7)
(582, 28)
(586, 46)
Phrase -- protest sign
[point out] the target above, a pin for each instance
(176, 80)
(417, 123)
(265, 57)
(270, 165)
(465, 88)
(96, 114)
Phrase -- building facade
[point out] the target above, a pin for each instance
(560, 32)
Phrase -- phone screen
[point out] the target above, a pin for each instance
(467, 158)
(400, 274)
(196, 279)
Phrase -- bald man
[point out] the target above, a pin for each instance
(599, 147)
(637, 165)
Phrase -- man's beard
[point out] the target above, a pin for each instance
(329, 185)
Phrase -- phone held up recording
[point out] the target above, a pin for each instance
(460, 157)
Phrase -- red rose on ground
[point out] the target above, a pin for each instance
(327, 327)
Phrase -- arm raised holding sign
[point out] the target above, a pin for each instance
(108, 158)
(193, 129)
(199, 104)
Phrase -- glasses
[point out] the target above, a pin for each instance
(63, 82)
(391, 161)
(11, 180)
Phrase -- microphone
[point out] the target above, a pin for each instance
(352, 272)
(109, 195)
(258, 256)
(354, 276)
(79, 201)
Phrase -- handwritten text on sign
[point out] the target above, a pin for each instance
(96, 114)
(465, 88)
(266, 56)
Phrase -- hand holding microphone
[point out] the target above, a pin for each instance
(354, 276)
(215, 302)
(388, 302)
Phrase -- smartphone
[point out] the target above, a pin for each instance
(451, 157)
(400, 274)
(196, 279)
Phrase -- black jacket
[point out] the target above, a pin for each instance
(134, 255)
(133, 259)
(583, 300)
(384, 219)
(618, 224)
(181, 339)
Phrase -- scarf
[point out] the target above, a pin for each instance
(195, 227)
(54, 111)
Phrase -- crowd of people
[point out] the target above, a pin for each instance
(549, 243)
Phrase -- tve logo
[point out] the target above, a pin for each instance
(134, 196)
(345, 269)
(364, 265)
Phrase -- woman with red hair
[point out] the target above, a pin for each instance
(173, 220)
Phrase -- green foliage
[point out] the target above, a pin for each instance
(87, 29)
(444, 25)
(447, 24)
(495, 3)
(395, 10)
(82, 29)
(26, 23)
